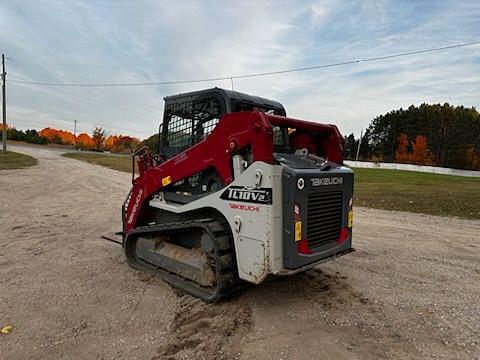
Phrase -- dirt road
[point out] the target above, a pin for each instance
(410, 291)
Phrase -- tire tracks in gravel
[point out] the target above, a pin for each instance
(205, 331)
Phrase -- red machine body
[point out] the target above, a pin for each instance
(234, 131)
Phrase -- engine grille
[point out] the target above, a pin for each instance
(324, 219)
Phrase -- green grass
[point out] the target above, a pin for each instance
(116, 162)
(379, 188)
(418, 192)
(13, 160)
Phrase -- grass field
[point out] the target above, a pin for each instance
(418, 192)
(382, 189)
(116, 162)
(13, 160)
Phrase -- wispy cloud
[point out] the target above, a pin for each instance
(90, 41)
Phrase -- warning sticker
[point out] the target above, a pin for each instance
(166, 180)
(298, 230)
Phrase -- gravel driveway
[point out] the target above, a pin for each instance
(411, 290)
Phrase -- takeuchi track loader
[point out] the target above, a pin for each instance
(236, 191)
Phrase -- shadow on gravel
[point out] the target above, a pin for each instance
(329, 289)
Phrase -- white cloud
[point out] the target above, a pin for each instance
(88, 41)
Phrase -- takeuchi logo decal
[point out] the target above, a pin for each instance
(135, 206)
(326, 181)
(244, 207)
(249, 195)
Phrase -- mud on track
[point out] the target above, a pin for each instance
(410, 290)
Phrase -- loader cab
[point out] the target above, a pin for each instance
(191, 117)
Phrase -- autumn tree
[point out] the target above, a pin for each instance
(401, 154)
(126, 144)
(121, 143)
(85, 142)
(58, 136)
(110, 142)
(98, 137)
(473, 156)
(421, 154)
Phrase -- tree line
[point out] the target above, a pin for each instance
(97, 141)
(440, 135)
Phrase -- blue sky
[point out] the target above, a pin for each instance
(141, 41)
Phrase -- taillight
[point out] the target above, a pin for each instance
(302, 247)
(343, 236)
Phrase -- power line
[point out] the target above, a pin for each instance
(109, 93)
(232, 77)
(93, 99)
(47, 122)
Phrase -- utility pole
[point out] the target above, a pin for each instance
(359, 142)
(4, 105)
(75, 132)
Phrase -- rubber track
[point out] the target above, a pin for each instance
(226, 270)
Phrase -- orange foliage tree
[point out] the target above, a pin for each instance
(121, 143)
(401, 154)
(58, 136)
(110, 142)
(473, 156)
(85, 142)
(421, 154)
(114, 143)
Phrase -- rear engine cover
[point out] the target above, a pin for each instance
(320, 201)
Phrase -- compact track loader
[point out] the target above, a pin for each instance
(235, 191)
